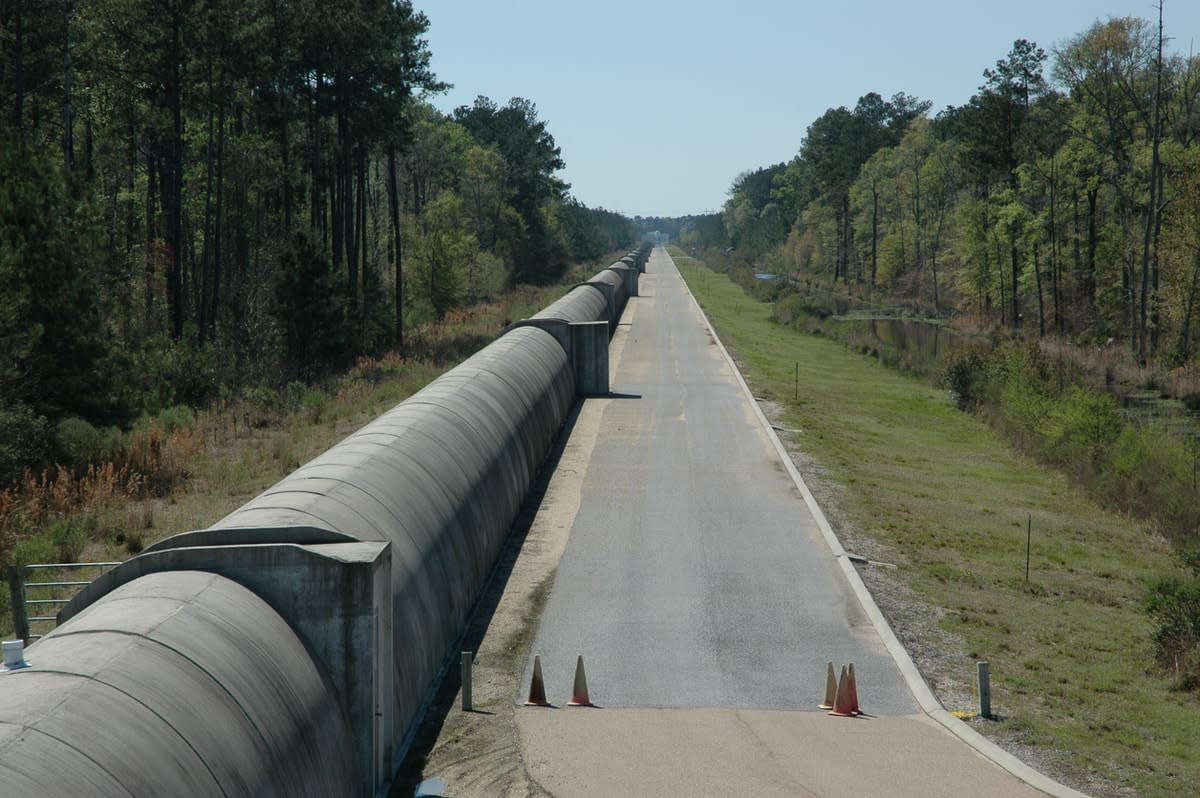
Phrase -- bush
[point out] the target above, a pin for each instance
(1174, 606)
(791, 307)
(36, 549)
(25, 441)
(1151, 474)
(964, 376)
(1082, 426)
(134, 540)
(315, 405)
(176, 418)
(161, 372)
(68, 537)
(78, 443)
(293, 394)
(160, 457)
(311, 304)
(261, 400)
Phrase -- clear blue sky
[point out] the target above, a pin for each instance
(658, 104)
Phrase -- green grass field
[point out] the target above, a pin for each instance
(948, 500)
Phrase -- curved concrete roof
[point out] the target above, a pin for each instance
(183, 683)
(582, 303)
(609, 276)
(441, 477)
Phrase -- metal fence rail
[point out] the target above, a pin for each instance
(54, 592)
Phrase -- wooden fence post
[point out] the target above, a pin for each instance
(16, 590)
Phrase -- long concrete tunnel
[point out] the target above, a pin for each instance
(290, 648)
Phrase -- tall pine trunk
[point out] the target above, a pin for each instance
(68, 142)
(397, 244)
(1143, 343)
(151, 246)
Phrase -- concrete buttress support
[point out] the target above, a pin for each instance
(336, 597)
(609, 296)
(629, 275)
(589, 357)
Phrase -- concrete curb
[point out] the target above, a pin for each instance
(916, 683)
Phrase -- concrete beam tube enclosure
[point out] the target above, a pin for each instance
(182, 683)
(201, 656)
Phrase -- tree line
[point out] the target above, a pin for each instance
(1062, 198)
(201, 195)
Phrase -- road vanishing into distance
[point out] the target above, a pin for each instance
(698, 587)
(695, 575)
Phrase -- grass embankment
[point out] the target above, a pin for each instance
(944, 497)
(186, 469)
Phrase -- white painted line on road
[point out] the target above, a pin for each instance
(916, 683)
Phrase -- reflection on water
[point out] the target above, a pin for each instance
(919, 345)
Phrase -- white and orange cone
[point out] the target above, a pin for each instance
(579, 694)
(537, 687)
(845, 704)
(830, 688)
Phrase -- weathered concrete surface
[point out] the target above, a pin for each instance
(589, 356)
(695, 575)
(441, 477)
(584, 302)
(704, 599)
(337, 599)
(582, 753)
(181, 683)
(629, 274)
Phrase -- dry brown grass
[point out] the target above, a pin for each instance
(1114, 364)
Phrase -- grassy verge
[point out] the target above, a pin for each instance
(210, 462)
(945, 498)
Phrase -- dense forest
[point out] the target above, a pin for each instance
(1063, 198)
(204, 195)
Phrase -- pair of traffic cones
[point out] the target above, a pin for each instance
(841, 695)
(537, 688)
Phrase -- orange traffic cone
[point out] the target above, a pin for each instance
(844, 704)
(830, 689)
(537, 688)
(853, 691)
(579, 695)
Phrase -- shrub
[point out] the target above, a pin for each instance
(315, 405)
(78, 443)
(294, 394)
(68, 537)
(176, 417)
(263, 401)
(36, 549)
(1174, 605)
(964, 376)
(310, 308)
(133, 540)
(162, 372)
(25, 441)
(1081, 427)
(160, 457)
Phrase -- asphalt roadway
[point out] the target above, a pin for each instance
(706, 603)
(695, 576)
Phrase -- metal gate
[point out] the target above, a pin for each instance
(35, 603)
